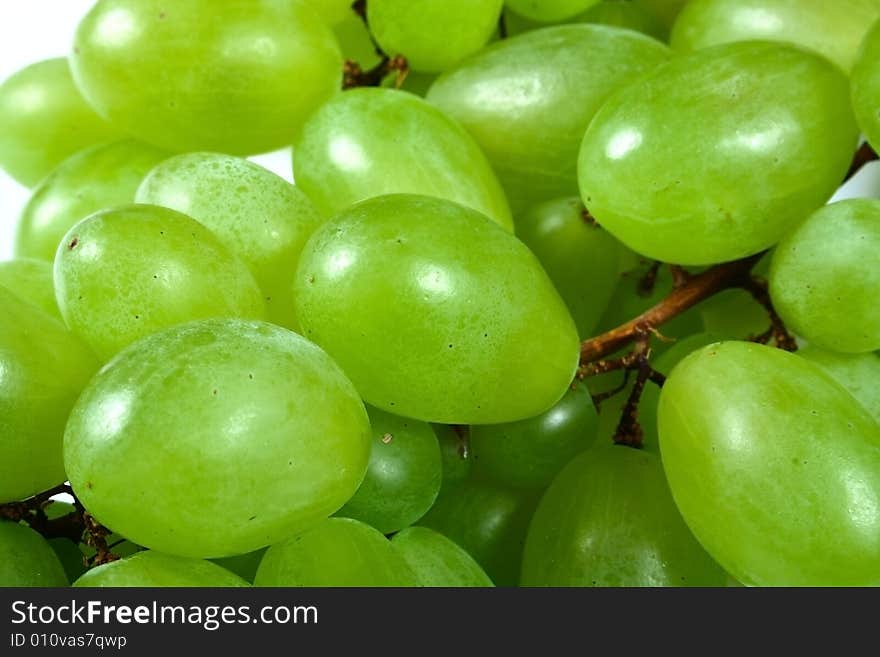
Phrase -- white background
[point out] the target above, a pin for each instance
(31, 30)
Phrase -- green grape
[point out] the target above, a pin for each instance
(336, 552)
(26, 559)
(666, 11)
(218, 75)
(257, 215)
(489, 522)
(31, 281)
(455, 454)
(858, 373)
(774, 466)
(865, 87)
(418, 84)
(253, 421)
(718, 154)
(153, 569)
(528, 100)
(433, 35)
(825, 277)
(125, 273)
(608, 519)
(734, 315)
(549, 11)
(43, 368)
(355, 42)
(97, 178)
(44, 119)
(832, 29)
(369, 142)
(616, 13)
(243, 565)
(529, 453)
(580, 258)
(475, 334)
(437, 561)
(65, 549)
(403, 476)
(333, 12)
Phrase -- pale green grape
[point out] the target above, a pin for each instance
(774, 466)
(858, 373)
(43, 368)
(435, 312)
(100, 177)
(253, 421)
(616, 13)
(26, 559)
(370, 142)
(243, 565)
(866, 87)
(455, 454)
(31, 281)
(489, 522)
(666, 11)
(529, 453)
(718, 154)
(527, 100)
(125, 273)
(355, 42)
(257, 215)
(333, 12)
(734, 314)
(153, 569)
(220, 75)
(832, 29)
(608, 520)
(437, 561)
(433, 35)
(581, 259)
(336, 552)
(549, 11)
(403, 476)
(825, 277)
(44, 119)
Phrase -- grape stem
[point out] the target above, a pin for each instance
(353, 75)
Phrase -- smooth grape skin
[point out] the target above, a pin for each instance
(44, 367)
(370, 142)
(718, 154)
(248, 404)
(403, 476)
(549, 11)
(332, 12)
(262, 67)
(336, 552)
(433, 35)
(438, 562)
(858, 373)
(581, 259)
(774, 466)
(99, 177)
(44, 119)
(257, 215)
(529, 453)
(608, 520)
(528, 100)
(832, 29)
(475, 333)
(153, 569)
(865, 87)
(616, 13)
(31, 281)
(489, 522)
(26, 559)
(825, 277)
(123, 274)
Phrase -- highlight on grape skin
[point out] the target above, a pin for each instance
(397, 293)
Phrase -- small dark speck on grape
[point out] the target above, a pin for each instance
(161, 15)
(73, 243)
(450, 346)
(214, 392)
(252, 518)
(137, 316)
(311, 279)
(387, 438)
(251, 377)
(89, 485)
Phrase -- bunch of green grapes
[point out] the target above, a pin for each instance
(550, 227)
